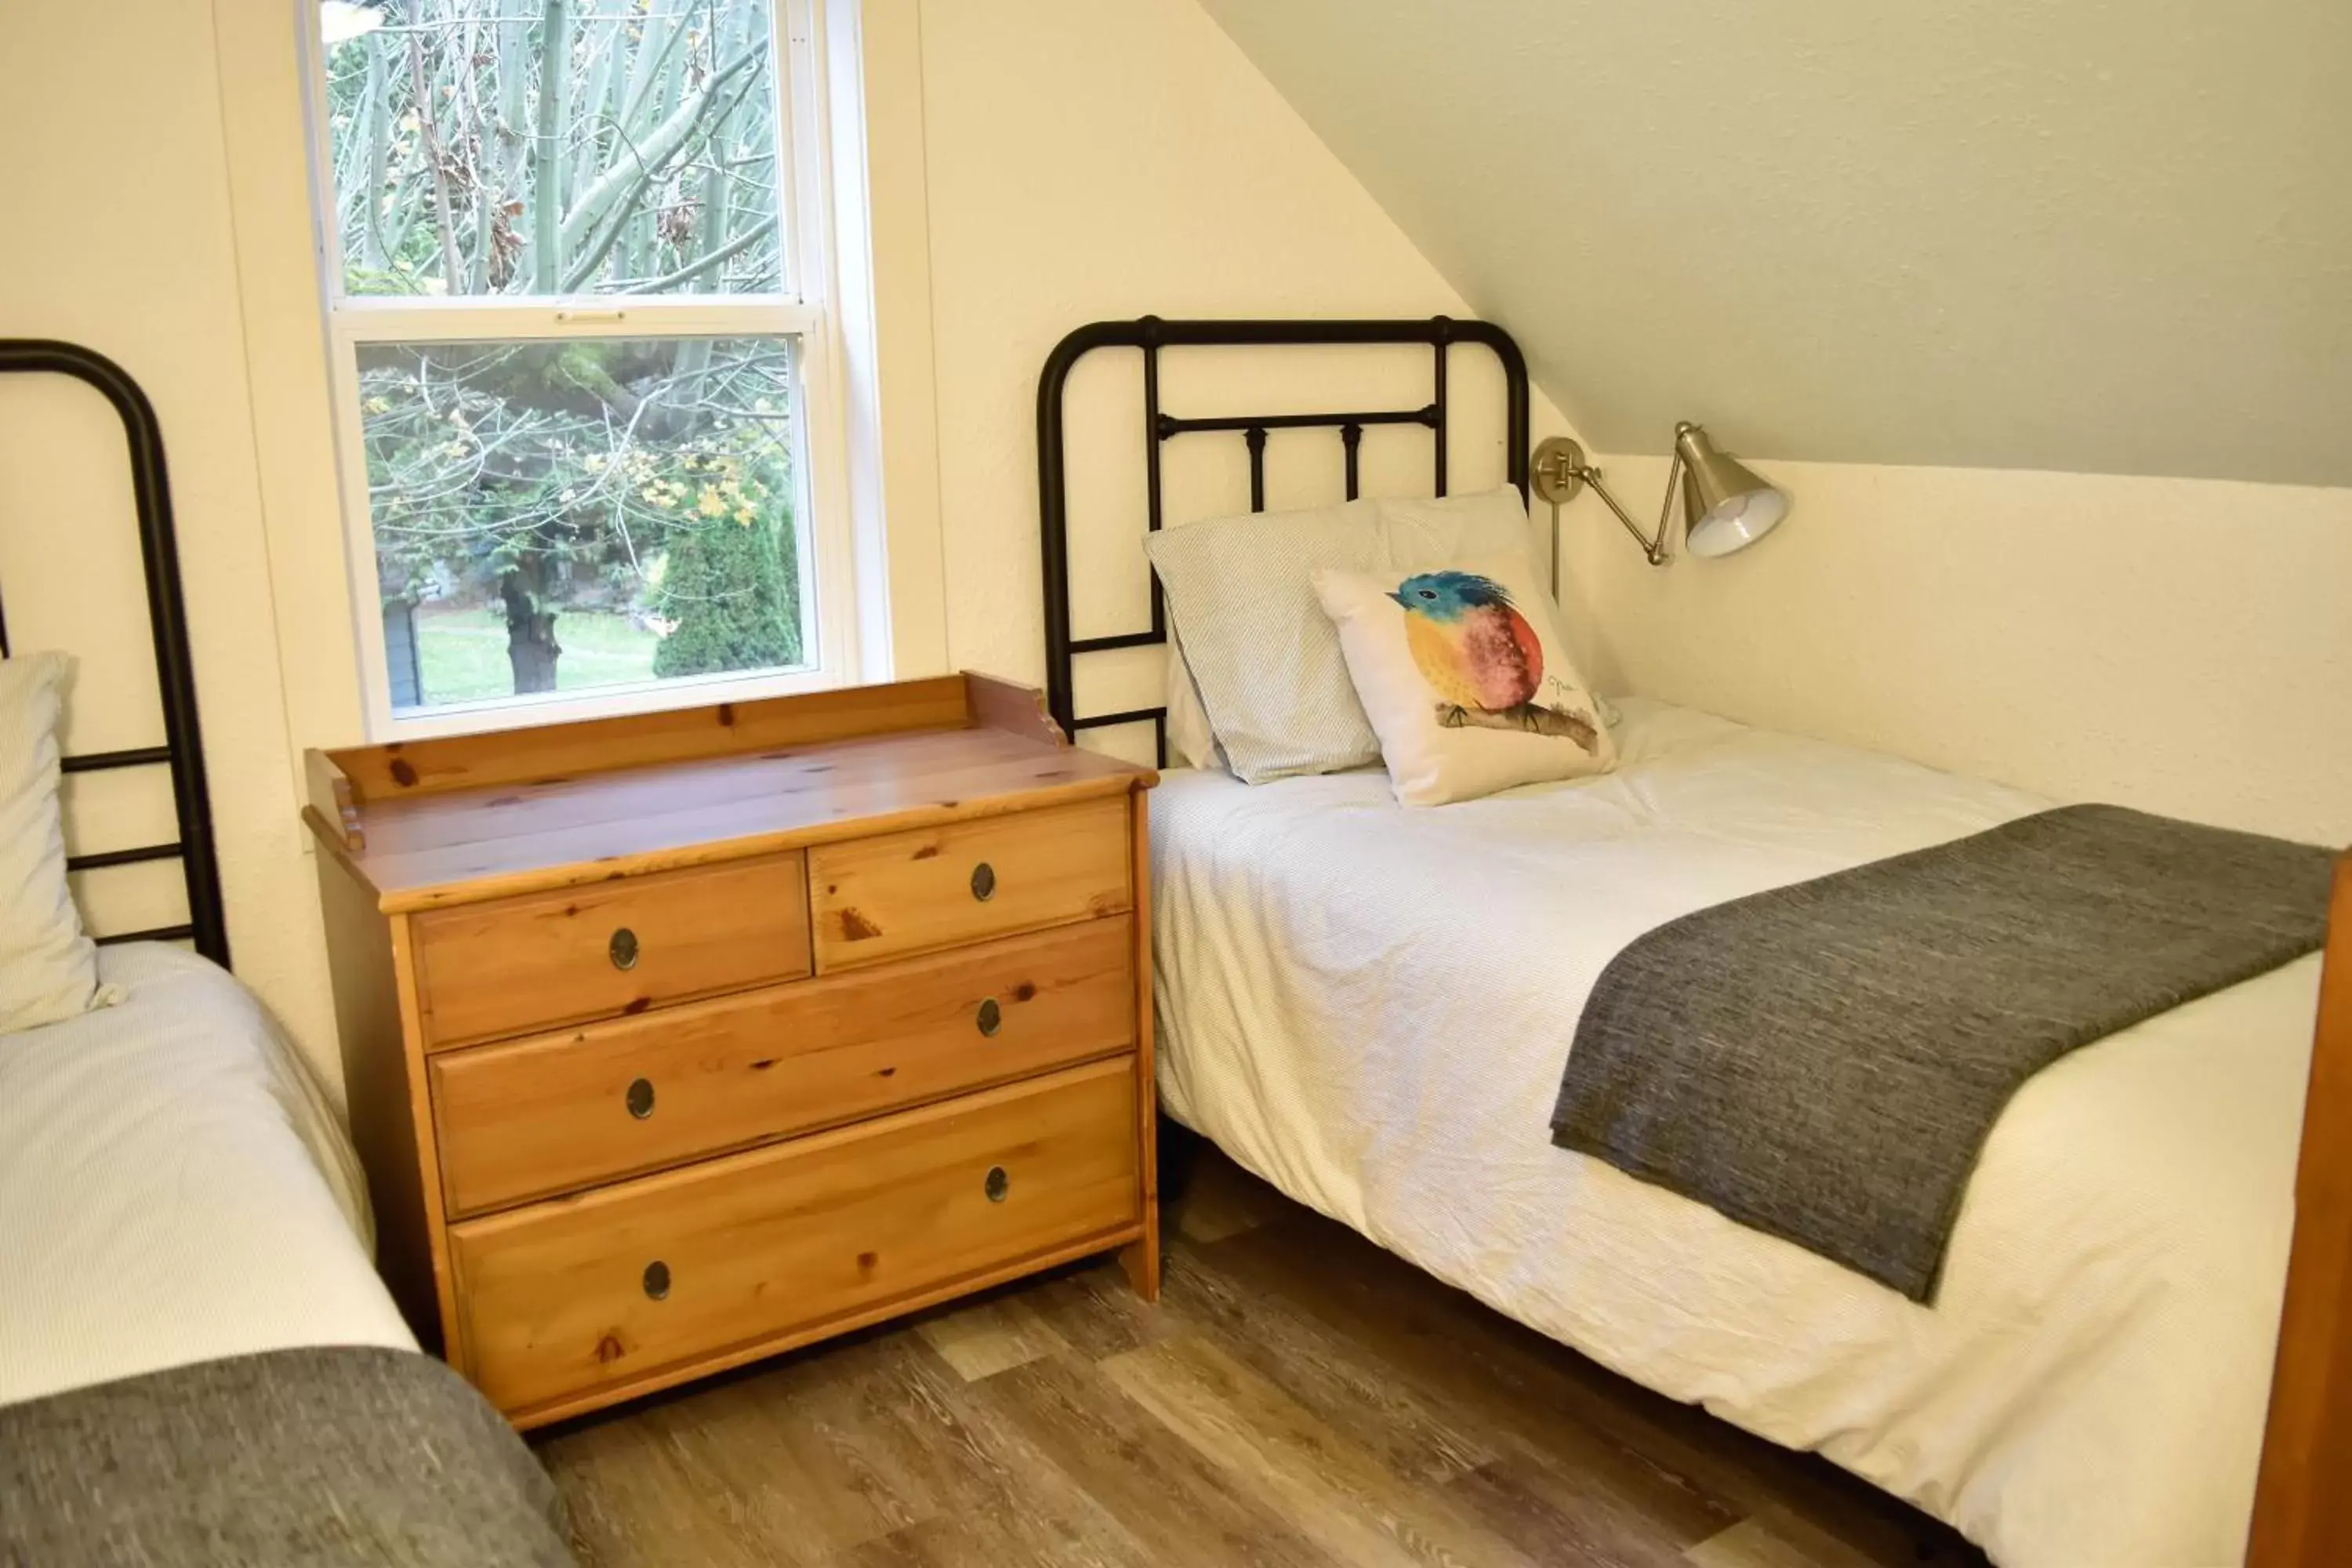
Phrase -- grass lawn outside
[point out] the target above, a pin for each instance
(462, 653)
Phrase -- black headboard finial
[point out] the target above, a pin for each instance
(1150, 334)
(182, 749)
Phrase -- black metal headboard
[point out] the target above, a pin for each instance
(167, 621)
(1151, 334)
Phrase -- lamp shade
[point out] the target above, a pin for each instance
(1726, 507)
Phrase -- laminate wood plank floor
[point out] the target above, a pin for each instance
(1299, 1399)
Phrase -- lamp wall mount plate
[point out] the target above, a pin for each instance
(1557, 469)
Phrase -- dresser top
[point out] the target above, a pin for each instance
(432, 823)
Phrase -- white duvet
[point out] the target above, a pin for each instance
(174, 1188)
(1371, 1005)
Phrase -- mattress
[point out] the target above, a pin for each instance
(1370, 1006)
(174, 1188)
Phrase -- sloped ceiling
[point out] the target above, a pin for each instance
(2104, 236)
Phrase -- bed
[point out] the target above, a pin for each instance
(174, 1188)
(1370, 1006)
(1334, 1016)
(197, 1360)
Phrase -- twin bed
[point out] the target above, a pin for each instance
(1370, 1006)
(197, 1360)
(174, 1188)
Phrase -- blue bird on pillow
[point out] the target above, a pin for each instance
(1481, 658)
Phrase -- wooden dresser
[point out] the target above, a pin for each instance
(677, 1040)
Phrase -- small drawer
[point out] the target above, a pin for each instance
(634, 1284)
(536, 1117)
(879, 898)
(523, 965)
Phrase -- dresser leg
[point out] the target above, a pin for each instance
(1141, 1258)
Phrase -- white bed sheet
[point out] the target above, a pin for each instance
(174, 1188)
(1370, 1006)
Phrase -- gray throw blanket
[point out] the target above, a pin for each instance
(1824, 1061)
(345, 1455)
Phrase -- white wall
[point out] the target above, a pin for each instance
(120, 238)
(2012, 235)
(2101, 235)
(1089, 160)
(2182, 645)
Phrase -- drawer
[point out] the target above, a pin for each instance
(523, 965)
(638, 1283)
(524, 1120)
(879, 898)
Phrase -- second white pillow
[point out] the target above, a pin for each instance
(1191, 739)
(48, 968)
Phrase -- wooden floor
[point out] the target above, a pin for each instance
(1298, 1397)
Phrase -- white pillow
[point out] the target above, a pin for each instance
(1191, 739)
(1430, 530)
(48, 968)
(1464, 675)
(1266, 661)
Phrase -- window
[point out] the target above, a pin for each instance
(573, 275)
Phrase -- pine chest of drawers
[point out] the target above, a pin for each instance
(674, 1041)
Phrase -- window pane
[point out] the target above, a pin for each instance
(539, 147)
(558, 515)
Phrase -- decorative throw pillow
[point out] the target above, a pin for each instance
(1464, 675)
(48, 968)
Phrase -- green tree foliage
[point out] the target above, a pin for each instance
(728, 586)
(560, 474)
(530, 148)
(539, 147)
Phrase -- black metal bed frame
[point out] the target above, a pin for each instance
(167, 622)
(1150, 334)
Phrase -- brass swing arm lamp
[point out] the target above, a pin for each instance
(1726, 507)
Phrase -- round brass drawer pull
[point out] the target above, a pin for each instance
(998, 1184)
(658, 1279)
(640, 1097)
(623, 949)
(983, 881)
(992, 1017)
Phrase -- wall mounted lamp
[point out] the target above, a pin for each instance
(1725, 506)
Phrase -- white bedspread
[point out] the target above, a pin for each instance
(174, 1188)
(1371, 1007)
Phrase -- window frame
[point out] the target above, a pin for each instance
(803, 313)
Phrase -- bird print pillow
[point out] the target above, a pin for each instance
(1465, 680)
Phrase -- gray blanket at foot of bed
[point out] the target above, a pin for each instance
(345, 1455)
(1824, 1061)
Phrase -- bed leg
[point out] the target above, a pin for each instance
(1179, 1152)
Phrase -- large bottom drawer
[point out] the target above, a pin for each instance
(616, 1290)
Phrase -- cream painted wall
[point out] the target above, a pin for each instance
(120, 238)
(2180, 645)
(1090, 160)
(2097, 236)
